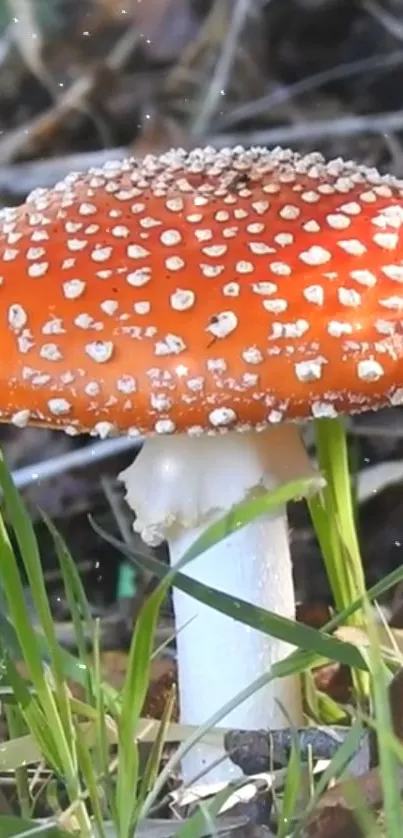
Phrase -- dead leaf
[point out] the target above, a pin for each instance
(334, 680)
(333, 816)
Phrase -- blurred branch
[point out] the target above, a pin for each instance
(75, 459)
(237, 15)
(20, 178)
(283, 93)
(390, 22)
(321, 129)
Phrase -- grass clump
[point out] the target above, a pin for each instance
(97, 782)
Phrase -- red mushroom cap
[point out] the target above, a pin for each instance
(201, 291)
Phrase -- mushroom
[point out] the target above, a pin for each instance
(208, 301)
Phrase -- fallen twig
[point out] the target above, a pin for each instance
(320, 129)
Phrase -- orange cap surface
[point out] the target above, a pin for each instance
(201, 292)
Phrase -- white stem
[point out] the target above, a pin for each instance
(219, 656)
(178, 486)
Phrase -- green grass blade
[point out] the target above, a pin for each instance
(73, 668)
(347, 574)
(75, 595)
(14, 592)
(25, 535)
(101, 751)
(335, 526)
(23, 750)
(12, 586)
(156, 752)
(91, 785)
(292, 790)
(333, 771)
(16, 727)
(36, 719)
(54, 703)
(243, 514)
(13, 827)
(297, 634)
(133, 697)
(388, 761)
(330, 547)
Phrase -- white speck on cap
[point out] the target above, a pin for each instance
(137, 251)
(104, 429)
(309, 370)
(280, 268)
(38, 269)
(315, 255)
(142, 307)
(394, 272)
(92, 388)
(21, 418)
(100, 350)
(59, 407)
(170, 237)
(222, 324)
(165, 426)
(222, 416)
(349, 297)
(275, 306)
(265, 288)
(73, 288)
(369, 370)
(252, 355)
(17, 317)
(54, 326)
(364, 277)
(394, 303)
(290, 330)
(126, 384)
(215, 251)
(109, 307)
(388, 241)
(396, 399)
(314, 294)
(338, 221)
(50, 352)
(101, 254)
(182, 299)
(139, 277)
(353, 247)
(231, 289)
(171, 345)
(174, 263)
(336, 329)
(323, 410)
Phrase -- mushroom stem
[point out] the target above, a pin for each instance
(178, 486)
(218, 656)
